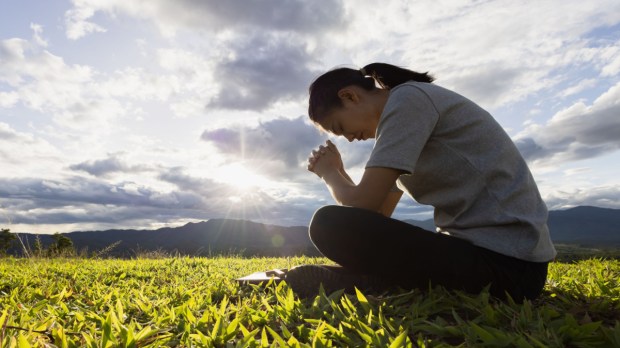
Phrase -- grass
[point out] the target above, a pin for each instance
(195, 302)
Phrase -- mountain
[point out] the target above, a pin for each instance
(585, 225)
(215, 236)
(588, 226)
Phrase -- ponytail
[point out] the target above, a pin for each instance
(324, 90)
(389, 76)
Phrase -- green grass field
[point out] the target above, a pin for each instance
(195, 302)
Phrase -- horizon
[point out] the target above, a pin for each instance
(252, 221)
(149, 114)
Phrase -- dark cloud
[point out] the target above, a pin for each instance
(202, 186)
(487, 84)
(76, 191)
(296, 15)
(264, 68)
(530, 150)
(578, 132)
(561, 151)
(103, 167)
(79, 200)
(288, 141)
(279, 149)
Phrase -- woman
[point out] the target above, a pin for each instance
(444, 151)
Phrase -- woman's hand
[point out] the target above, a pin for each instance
(325, 158)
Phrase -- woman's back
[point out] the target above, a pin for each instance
(462, 162)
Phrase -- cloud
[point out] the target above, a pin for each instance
(263, 69)
(279, 149)
(212, 15)
(45, 83)
(22, 152)
(241, 72)
(8, 99)
(104, 167)
(580, 86)
(577, 132)
(489, 84)
(218, 62)
(288, 141)
(77, 24)
(600, 196)
(97, 202)
(528, 51)
(287, 207)
(266, 48)
(76, 97)
(32, 199)
(186, 183)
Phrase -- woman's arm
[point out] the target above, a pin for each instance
(390, 203)
(370, 193)
(392, 199)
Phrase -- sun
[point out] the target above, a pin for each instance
(239, 176)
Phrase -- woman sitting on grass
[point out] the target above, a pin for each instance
(444, 151)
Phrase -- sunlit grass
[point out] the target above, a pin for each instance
(195, 302)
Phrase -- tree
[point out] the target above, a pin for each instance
(62, 245)
(6, 240)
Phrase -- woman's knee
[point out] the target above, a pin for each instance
(322, 222)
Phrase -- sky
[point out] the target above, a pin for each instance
(151, 113)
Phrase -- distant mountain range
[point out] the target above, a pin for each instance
(216, 236)
(586, 226)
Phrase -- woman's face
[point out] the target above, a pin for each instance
(349, 124)
(356, 119)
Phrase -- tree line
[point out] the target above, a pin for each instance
(61, 245)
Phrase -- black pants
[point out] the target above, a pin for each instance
(410, 257)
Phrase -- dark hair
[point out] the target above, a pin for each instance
(324, 90)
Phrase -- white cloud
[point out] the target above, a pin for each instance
(598, 196)
(77, 24)
(22, 153)
(8, 99)
(494, 52)
(611, 60)
(38, 30)
(580, 86)
(41, 79)
(138, 84)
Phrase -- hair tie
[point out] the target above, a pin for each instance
(363, 71)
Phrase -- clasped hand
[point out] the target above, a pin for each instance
(325, 159)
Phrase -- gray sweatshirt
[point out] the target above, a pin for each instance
(459, 160)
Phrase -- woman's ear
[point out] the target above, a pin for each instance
(348, 95)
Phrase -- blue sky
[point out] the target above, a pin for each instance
(143, 114)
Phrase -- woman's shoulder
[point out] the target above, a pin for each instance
(428, 90)
(436, 94)
(428, 87)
